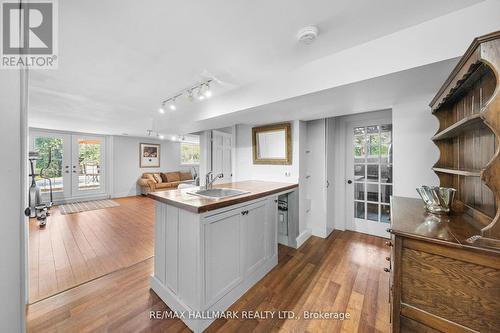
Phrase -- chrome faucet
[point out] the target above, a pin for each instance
(209, 181)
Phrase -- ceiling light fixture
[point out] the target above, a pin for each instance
(308, 34)
(202, 91)
(208, 92)
(172, 105)
(200, 94)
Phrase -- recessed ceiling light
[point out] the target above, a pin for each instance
(161, 110)
(172, 106)
(161, 137)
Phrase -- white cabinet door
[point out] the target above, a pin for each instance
(223, 254)
(255, 222)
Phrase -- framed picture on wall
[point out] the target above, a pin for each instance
(149, 155)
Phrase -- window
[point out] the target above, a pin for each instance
(190, 153)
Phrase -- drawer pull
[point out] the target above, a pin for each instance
(388, 258)
(387, 243)
(387, 270)
(389, 230)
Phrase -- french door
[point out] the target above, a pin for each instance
(77, 167)
(369, 176)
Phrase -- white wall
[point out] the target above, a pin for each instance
(414, 152)
(315, 182)
(125, 166)
(246, 170)
(13, 127)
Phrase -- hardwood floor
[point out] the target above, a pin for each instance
(343, 273)
(76, 248)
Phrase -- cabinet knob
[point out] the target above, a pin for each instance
(387, 270)
(388, 258)
(387, 243)
(389, 230)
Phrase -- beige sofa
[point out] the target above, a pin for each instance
(162, 181)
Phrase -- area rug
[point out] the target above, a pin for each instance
(77, 207)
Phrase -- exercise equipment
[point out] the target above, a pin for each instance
(37, 208)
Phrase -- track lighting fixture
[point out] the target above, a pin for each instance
(208, 92)
(202, 92)
(172, 105)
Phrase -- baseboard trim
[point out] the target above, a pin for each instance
(303, 237)
(319, 232)
(123, 195)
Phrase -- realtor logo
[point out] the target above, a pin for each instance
(29, 34)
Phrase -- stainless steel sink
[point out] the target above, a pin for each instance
(217, 193)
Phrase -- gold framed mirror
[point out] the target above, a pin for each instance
(272, 144)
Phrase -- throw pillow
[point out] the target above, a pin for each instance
(149, 177)
(157, 177)
(164, 177)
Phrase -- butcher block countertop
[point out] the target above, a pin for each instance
(196, 204)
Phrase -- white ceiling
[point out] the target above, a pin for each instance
(119, 59)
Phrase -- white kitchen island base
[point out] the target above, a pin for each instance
(204, 262)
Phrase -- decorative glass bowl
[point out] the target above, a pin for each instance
(438, 200)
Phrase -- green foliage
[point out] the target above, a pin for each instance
(190, 153)
(90, 153)
(43, 145)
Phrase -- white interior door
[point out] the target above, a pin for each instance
(369, 176)
(221, 155)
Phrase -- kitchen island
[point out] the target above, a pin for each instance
(209, 252)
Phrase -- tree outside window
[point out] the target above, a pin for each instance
(190, 153)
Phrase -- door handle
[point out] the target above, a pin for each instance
(327, 184)
(349, 181)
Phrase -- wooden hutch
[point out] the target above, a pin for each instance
(445, 269)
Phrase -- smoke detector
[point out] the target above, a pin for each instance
(307, 35)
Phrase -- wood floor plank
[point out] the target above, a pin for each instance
(75, 248)
(342, 273)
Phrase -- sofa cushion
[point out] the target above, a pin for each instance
(163, 185)
(186, 175)
(150, 177)
(157, 178)
(173, 176)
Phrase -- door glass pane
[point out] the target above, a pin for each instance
(386, 173)
(372, 172)
(89, 159)
(359, 144)
(373, 143)
(359, 172)
(359, 210)
(43, 146)
(385, 193)
(359, 191)
(385, 213)
(372, 211)
(372, 192)
(386, 143)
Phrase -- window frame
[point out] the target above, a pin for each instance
(180, 153)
